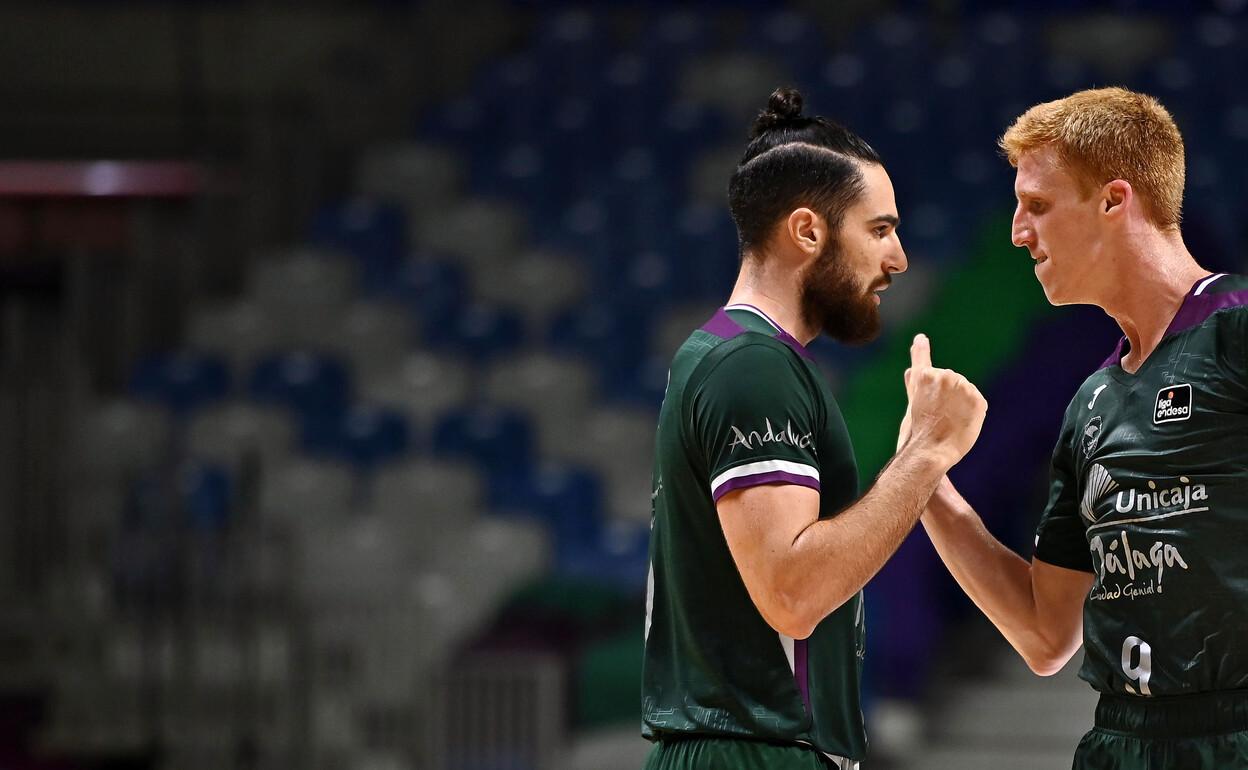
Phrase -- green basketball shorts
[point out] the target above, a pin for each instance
(705, 753)
(1207, 731)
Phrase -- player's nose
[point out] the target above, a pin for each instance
(1021, 231)
(896, 261)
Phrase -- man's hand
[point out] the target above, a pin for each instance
(945, 411)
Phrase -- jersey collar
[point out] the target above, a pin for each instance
(1196, 307)
(781, 334)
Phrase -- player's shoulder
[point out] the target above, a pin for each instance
(1214, 301)
(1223, 283)
(751, 353)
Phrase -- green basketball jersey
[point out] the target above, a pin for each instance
(1150, 494)
(745, 406)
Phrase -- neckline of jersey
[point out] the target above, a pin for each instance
(781, 334)
(1182, 320)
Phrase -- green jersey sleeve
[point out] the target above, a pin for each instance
(1233, 347)
(1061, 537)
(754, 418)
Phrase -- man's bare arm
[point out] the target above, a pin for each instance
(798, 568)
(1037, 606)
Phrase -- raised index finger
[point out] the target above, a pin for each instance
(920, 352)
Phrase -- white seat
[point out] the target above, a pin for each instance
(303, 293)
(300, 492)
(737, 83)
(423, 501)
(538, 284)
(120, 437)
(618, 443)
(711, 170)
(351, 560)
(476, 230)
(541, 383)
(373, 336)
(677, 325)
(604, 436)
(236, 432)
(423, 385)
(516, 550)
(409, 174)
(238, 330)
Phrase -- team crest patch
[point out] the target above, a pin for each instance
(1091, 435)
(1174, 403)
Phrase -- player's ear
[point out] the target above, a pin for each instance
(807, 230)
(1116, 197)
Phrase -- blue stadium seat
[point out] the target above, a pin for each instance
(462, 123)
(581, 229)
(311, 384)
(181, 381)
(568, 499)
(364, 435)
(792, 38)
(570, 45)
(432, 287)
(374, 233)
(620, 557)
(206, 492)
(633, 91)
(479, 331)
(686, 129)
(435, 289)
(612, 338)
(498, 440)
(643, 385)
(518, 94)
(673, 36)
(640, 199)
(706, 242)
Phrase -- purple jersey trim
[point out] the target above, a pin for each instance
(799, 671)
(771, 477)
(781, 334)
(1194, 311)
(722, 325)
(1116, 357)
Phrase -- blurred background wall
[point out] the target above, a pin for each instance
(332, 337)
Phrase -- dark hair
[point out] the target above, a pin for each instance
(793, 161)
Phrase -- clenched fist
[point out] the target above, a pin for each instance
(945, 412)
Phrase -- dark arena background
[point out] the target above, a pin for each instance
(332, 338)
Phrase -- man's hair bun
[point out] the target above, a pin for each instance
(784, 110)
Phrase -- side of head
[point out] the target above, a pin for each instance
(1092, 168)
(812, 193)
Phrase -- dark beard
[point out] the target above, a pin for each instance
(833, 302)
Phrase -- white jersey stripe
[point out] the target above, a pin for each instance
(761, 467)
(787, 643)
(755, 311)
(1205, 284)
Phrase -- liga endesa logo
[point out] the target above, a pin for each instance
(1174, 403)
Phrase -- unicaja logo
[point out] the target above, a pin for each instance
(1179, 497)
(755, 439)
(1176, 498)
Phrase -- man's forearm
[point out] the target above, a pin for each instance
(996, 578)
(832, 559)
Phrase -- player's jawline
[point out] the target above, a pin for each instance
(1148, 518)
